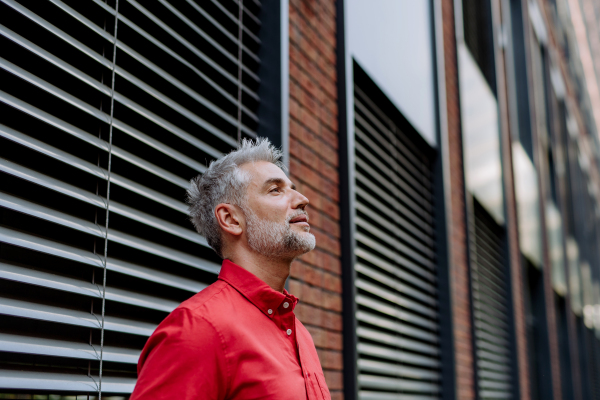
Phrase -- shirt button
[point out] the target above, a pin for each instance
(289, 332)
(286, 304)
(270, 311)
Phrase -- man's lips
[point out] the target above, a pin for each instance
(300, 220)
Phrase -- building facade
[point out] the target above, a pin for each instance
(449, 149)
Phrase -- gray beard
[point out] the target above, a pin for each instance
(277, 240)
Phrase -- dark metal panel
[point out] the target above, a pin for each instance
(273, 74)
(491, 307)
(347, 202)
(398, 317)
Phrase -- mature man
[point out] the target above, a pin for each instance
(239, 338)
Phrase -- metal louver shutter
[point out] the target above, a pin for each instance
(595, 364)
(396, 280)
(490, 307)
(185, 92)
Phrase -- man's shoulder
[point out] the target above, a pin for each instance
(210, 304)
(211, 295)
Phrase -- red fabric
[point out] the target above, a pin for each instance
(223, 344)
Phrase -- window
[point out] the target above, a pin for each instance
(186, 85)
(492, 313)
(398, 324)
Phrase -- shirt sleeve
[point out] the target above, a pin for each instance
(183, 359)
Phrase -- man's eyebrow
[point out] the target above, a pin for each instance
(278, 181)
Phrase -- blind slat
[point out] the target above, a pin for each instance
(61, 315)
(46, 246)
(44, 279)
(393, 369)
(378, 382)
(48, 381)
(61, 348)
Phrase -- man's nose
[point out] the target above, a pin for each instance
(300, 201)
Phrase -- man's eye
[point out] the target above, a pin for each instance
(275, 190)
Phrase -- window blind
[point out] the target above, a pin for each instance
(489, 280)
(88, 172)
(397, 314)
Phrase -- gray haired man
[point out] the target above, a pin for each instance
(239, 338)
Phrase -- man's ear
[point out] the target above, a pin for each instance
(229, 218)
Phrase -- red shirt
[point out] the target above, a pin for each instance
(236, 339)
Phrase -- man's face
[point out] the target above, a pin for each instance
(276, 222)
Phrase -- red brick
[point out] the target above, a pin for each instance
(324, 242)
(333, 340)
(330, 208)
(313, 276)
(316, 219)
(307, 8)
(336, 395)
(314, 197)
(332, 283)
(332, 320)
(332, 360)
(330, 263)
(319, 336)
(295, 109)
(295, 90)
(295, 150)
(309, 120)
(330, 226)
(334, 379)
(331, 301)
(309, 315)
(297, 271)
(312, 295)
(329, 137)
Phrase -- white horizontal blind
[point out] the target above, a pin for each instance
(186, 89)
(397, 299)
(490, 307)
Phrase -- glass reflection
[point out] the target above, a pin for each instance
(588, 295)
(481, 139)
(574, 276)
(555, 244)
(528, 209)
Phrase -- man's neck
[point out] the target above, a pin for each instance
(272, 271)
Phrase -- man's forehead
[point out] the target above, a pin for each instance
(264, 172)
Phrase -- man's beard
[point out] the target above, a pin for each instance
(275, 239)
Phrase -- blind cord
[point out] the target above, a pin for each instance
(240, 65)
(110, 136)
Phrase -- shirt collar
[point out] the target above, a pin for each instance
(257, 291)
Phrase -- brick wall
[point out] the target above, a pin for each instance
(551, 322)
(316, 277)
(457, 230)
(516, 267)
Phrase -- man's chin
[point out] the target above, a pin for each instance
(307, 241)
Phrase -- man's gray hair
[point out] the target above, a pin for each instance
(225, 182)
